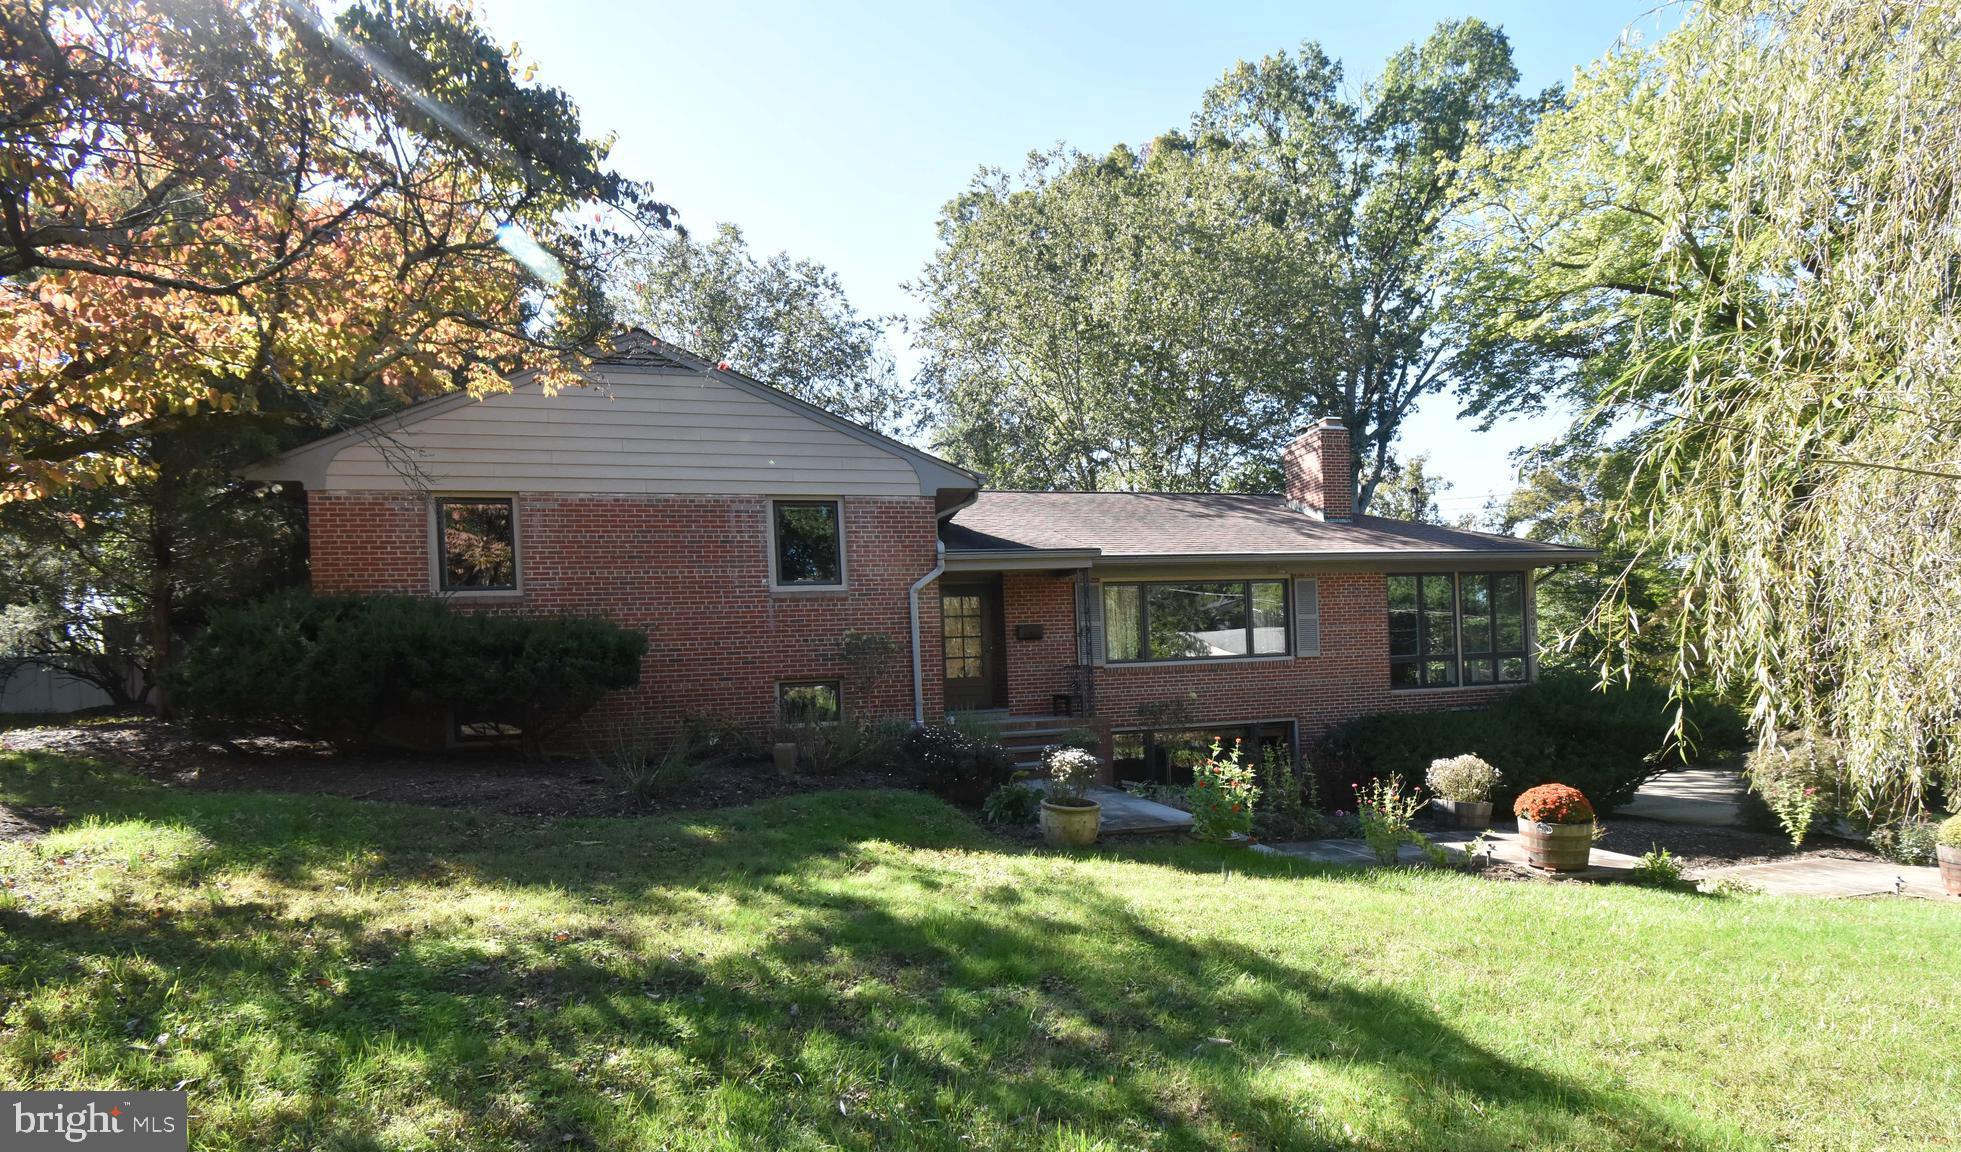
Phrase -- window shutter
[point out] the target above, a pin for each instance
(1307, 617)
(1089, 601)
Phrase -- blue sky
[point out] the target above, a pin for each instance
(837, 131)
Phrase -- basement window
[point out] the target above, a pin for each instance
(809, 702)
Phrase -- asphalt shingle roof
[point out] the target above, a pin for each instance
(1198, 524)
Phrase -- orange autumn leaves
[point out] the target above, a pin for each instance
(219, 209)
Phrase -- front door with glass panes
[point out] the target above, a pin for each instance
(970, 622)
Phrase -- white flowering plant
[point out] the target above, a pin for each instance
(1071, 772)
(1462, 779)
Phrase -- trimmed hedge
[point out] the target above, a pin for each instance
(335, 668)
(1559, 729)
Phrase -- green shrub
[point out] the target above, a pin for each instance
(842, 745)
(336, 668)
(1222, 796)
(1911, 842)
(1949, 832)
(1385, 807)
(956, 764)
(640, 773)
(1012, 804)
(1658, 868)
(1560, 728)
(1800, 783)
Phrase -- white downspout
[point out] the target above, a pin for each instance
(918, 668)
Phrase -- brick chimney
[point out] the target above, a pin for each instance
(1320, 472)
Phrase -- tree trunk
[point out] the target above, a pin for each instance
(163, 555)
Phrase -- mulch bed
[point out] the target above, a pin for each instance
(487, 782)
(495, 781)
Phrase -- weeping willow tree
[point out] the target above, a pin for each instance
(1746, 238)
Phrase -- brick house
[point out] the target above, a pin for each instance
(749, 534)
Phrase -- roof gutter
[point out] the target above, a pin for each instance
(1018, 559)
(1537, 558)
(918, 666)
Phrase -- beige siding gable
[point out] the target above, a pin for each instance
(632, 430)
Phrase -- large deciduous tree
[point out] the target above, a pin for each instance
(223, 218)
(1379, 181)
(1170, 319)
(1750, 236)
(1112, 322)
(782, 320)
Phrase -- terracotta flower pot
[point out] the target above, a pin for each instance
(1950, 861)
(1463, 813)
(1071, 824)
(1557, 847)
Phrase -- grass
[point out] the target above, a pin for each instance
(871, 970)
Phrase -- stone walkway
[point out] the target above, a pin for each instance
(1824, 876)
(1803, 876)
(1689, 796)
(1713, 796)
(1503, 845)
(1127, 815)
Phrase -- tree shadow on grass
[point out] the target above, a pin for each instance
(893, 1000)
(855, 1027)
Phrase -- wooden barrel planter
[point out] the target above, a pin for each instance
(1950, 859)
(1462, 813)
(1557, 847)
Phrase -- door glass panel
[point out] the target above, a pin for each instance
(962, 623)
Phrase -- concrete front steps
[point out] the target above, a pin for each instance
(1028, 737)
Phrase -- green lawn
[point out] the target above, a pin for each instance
(871, 970)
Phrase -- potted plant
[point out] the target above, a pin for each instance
(1556, 824)
(1947, 849)
(1462, 786)
(1069, 816)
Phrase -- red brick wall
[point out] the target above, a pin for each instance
(368, 542)
(1350, 678)
(1039, 670)
(692, 572)
(1320, 471)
